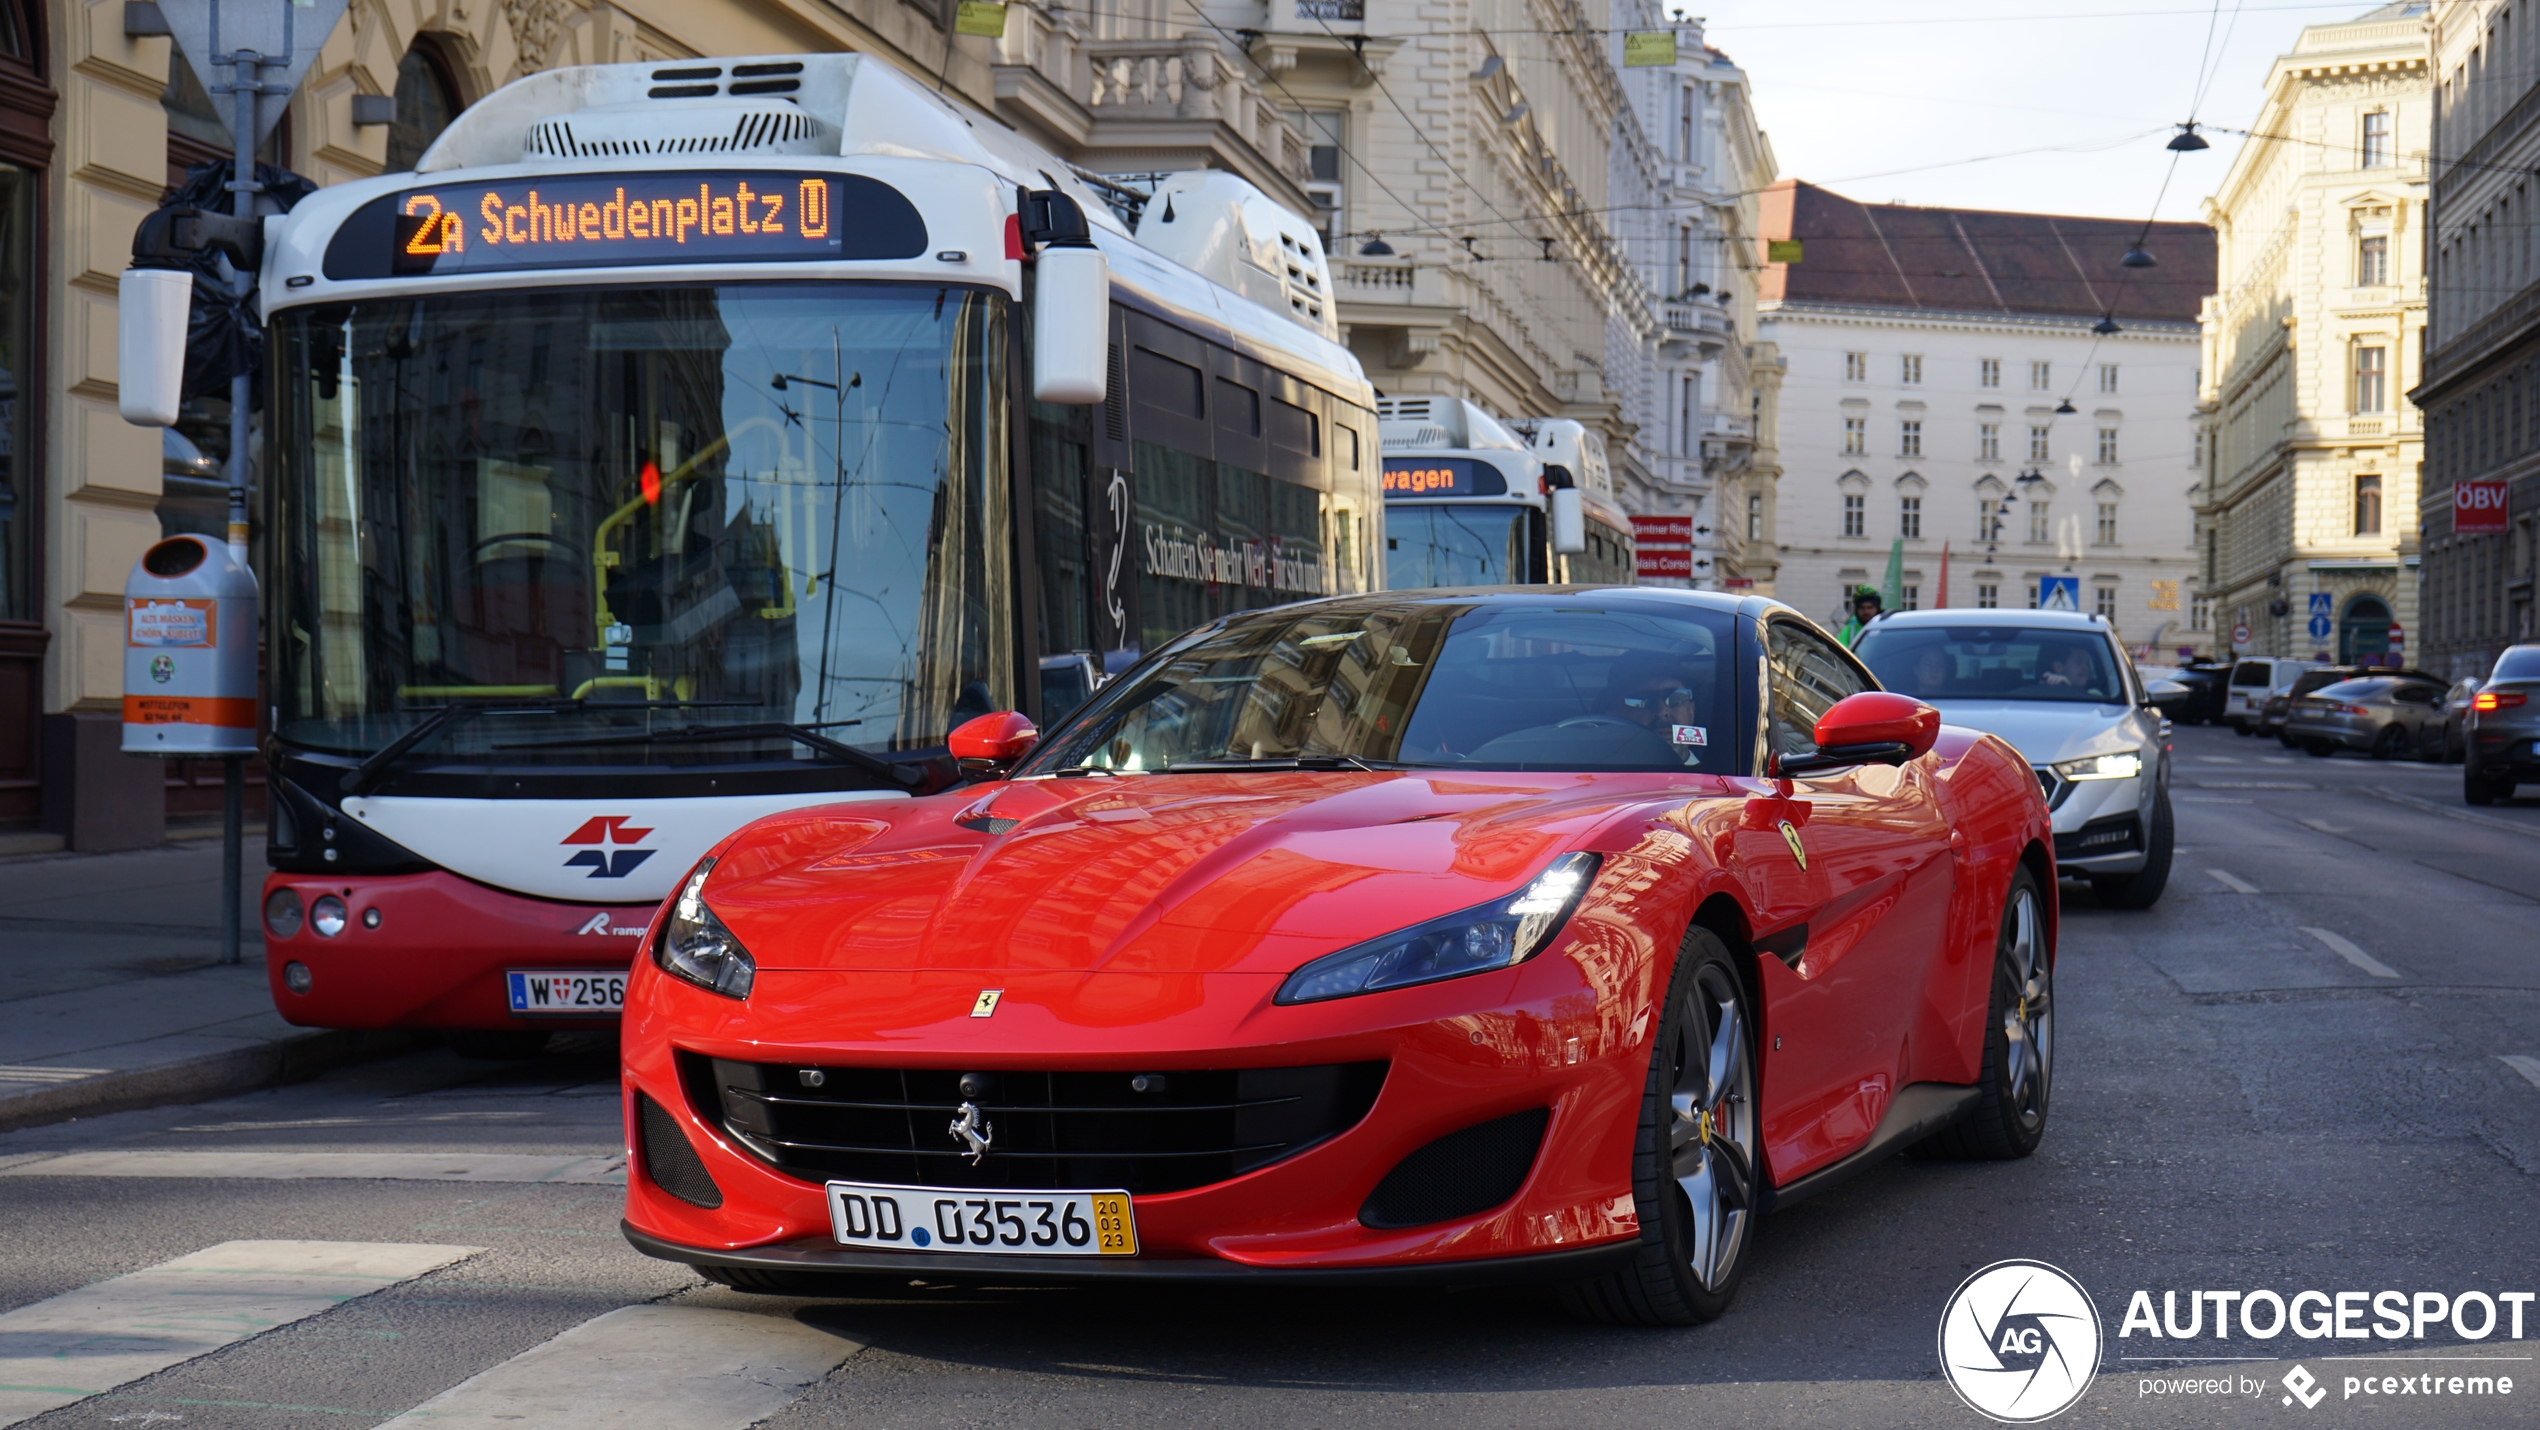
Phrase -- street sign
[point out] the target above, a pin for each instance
(1645, 48)
(1663, 530)
(2479, 508)
(1663, 563)
(2319, 626)
(2323, 605)
(2398, 635)
(2059, 593)
(2240, 634)
(285, 33)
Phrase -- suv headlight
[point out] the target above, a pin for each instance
(696, 947)
(2124, 765)
(1499, 934)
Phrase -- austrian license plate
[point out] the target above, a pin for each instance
(885, 1218)
(567, 991)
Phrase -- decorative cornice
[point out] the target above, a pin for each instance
(1964, 318)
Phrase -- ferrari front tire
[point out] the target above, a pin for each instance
(2009, 1118)
(1696, 1161)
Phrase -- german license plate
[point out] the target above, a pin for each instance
(568, 991)
(885, 1218)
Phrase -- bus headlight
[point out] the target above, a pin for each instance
(697, 948)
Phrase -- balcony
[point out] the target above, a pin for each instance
(1694, 327)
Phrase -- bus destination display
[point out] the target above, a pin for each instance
(1442, 477)
(617, 220)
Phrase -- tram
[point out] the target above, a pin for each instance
(686, 442)
(1474, 501)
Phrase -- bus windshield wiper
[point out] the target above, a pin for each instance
(366, 775)
(846, 754)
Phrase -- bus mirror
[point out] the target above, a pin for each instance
(1569, 521)
(151, 309)
(1071, 325)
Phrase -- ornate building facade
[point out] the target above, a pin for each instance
(2306, 526)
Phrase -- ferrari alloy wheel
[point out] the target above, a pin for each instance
(2009, 1119)
(1696, 1164)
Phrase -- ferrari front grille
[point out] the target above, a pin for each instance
(1143, 1132)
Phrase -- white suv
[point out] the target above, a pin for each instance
(2061, 690)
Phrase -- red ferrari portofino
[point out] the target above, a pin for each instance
(1441, 935)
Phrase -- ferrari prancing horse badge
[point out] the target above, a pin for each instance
(986, 1003)
(1798, 850)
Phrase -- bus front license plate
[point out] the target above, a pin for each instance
(570, 992)
(887, 1218)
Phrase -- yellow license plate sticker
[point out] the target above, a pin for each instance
(1115, 1229)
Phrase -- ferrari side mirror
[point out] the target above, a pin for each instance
(992, 743)
(1875, 727)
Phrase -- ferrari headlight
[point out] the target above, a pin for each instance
(695, 945)
(1498, 934)
(2121, 766)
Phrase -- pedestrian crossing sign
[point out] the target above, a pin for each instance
(2059, 593)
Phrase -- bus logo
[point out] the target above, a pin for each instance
(607, 861)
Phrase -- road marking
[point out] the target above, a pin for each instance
(2338, 945)
(2524, 1064)
(606, 1170)
(2219, 759)
(689, 1366)
(2324, 827)
(2276, 760)
(2253, 784)
(2463, 815)
(2209, 799)
(31, 1074)
(85, 1342)
(2233, 882)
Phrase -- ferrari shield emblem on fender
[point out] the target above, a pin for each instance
(986, 1003)
(1798, 851)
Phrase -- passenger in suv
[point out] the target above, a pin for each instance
(2504, 729)
(2062, 691)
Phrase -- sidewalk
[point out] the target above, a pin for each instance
(112, 993)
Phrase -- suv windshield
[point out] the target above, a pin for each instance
(2252, 672)
(645, 511)
(1438, 683)
(1993, 663)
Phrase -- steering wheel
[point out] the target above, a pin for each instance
(1579, 721)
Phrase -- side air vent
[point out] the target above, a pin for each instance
(670, 1161)
(759, 126)
(1458, 1175)
(1115, 401)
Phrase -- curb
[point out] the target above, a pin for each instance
(201, 1079)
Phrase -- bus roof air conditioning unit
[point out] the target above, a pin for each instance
(1221, 227)
(1421, 424)
(691, 126)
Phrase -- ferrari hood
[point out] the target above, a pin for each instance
(2043, 731)
(1147, 874)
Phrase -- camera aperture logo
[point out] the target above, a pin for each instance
(2019, 1342)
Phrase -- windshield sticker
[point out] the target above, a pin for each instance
(1693, 734)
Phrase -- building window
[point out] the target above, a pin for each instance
(2032, 593)
(2372, 261)
(1856, 436)
(2037, 443)
(1325, 179)
(1909, 368)
(2200, 613)
(2197, 460)
(1909, 518)
(2039, 528)
(1989, 372)
(2041, 376)
(1855, 514)
(1988, 518)
(2367, 506)
(2107, 523)
(2371, 383)
(18, 350)
(427, 100)
(1988, 441)
(1909, 438)
(1684, 261)
(2107, 377)
(1913, 597)
(1856, 367)
(2107, 446)
(2106, 603)
(2377, 140)
(1988, 595)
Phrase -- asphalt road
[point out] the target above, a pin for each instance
(2292, 1075)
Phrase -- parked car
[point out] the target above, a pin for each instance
(2279, 706)
(2503, 747)
(2211, 683)
(2253, 682)
(2456, 702)
(2062, 691)
(2388, 716)
(2172, 697)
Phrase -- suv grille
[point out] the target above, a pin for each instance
(2054, 786)
(1046, 1129)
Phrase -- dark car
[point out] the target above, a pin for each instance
(2387, 716)
(2280, 706)
(2207, 683)
(2456, 703)
(2504, 729)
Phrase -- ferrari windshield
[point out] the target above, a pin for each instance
(1993, 663)
(647, 512)
(1593, 683)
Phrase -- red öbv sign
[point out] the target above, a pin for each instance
(2478, 507)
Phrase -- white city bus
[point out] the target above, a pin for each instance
(690, 441)
(1473, 501)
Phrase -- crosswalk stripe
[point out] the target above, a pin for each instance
(606, 1170)
(690, 1366)
(84, 1342)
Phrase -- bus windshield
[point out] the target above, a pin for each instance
(655, 509)
(1430, 545)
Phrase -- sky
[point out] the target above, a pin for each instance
(1911, 102)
